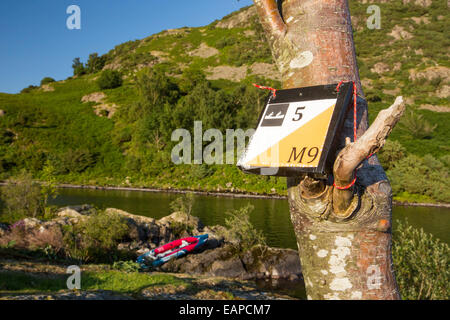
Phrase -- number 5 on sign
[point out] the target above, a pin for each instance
(298, 114)
(296, 131)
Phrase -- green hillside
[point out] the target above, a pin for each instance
(94, 129)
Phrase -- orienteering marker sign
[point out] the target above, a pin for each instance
(296, 132)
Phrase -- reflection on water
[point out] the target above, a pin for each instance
(270, 215)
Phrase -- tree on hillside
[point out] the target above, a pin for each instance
(47, 80)
(109, 79)
(343, 235)
(78, 67)
(95, 63)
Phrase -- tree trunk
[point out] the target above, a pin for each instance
(343, 235)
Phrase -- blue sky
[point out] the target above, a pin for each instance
(35, 41)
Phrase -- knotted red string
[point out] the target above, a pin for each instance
(274, 91)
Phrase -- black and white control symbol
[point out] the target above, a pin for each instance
(274, 115)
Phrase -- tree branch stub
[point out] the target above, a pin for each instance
(353, 154)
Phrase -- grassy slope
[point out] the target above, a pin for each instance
(51, 123)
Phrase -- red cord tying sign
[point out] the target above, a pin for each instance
(274, 91)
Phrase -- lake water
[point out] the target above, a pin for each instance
(270, 215)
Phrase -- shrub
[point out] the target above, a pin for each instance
(47, 80)
(202, 171)
(190, 78)
(21, 198)
(154, 88)
(126, 266)
(133, 59)
(6, 137)
(240, 231)
(49, 241)
(373, 97)
(75, 161)
(446, 160)
(14, 237)
(28, 89)
(416, 126)
(49, 186)
(226, 41)
(245, 52)
(424, 176)
(435, 82)
(183, 204)
(78, 67)
(391, 152)
(96, 237)
(133, 163)
(109, 79)
(95, 63)
(421, 264)
(181, 229)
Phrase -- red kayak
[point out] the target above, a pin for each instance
(171, 250)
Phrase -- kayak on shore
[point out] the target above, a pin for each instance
(174, 249)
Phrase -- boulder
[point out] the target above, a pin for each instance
(31, 223)
(231, 268)
(273, 263)
(144, 229)
(200, 263)
(93, 97)
(47, 88)
(138, 219)
(204, 51)
(69, 213)
(182, 218)
(84, 209)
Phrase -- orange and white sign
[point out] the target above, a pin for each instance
(295, 134)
